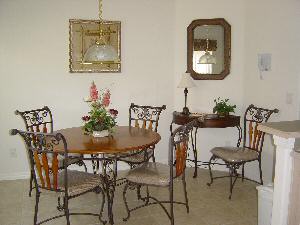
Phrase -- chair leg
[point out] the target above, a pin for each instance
(102, 208)
(185, 194)
(145, 199)
(233, 174)
(30, 184)
(210, 172)
(125, 201)
(66, 207)
(153, 157)
(36, 208)
(171, 205)
(231, 181)
(138, 189)
(148, 195)
(138, 192)
(260, 172)
(243, 172)
(85, 167)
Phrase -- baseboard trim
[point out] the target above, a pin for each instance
(14, 176)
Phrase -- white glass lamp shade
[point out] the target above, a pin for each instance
(186, 81)
(207, 58)
(98, 52)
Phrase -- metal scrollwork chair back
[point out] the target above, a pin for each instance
(146, 117)
(41, 120)
(37, 120)
(44, 151)
(162, 175)
(253, 139)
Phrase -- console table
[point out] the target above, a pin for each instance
(209, 121)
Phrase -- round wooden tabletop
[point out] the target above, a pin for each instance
(123, 139)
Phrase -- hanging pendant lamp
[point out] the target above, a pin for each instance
(101, 51)
(207, 58)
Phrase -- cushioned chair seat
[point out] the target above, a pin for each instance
(235, 154)
(150, 173)
(78, 182)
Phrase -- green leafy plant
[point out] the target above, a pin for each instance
(223, 107)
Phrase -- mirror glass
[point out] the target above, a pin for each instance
(209, 49)
(208, 42)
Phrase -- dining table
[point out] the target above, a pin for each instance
(123, 141)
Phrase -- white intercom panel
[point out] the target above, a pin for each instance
(264, 63)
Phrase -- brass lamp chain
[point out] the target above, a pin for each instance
(207, 44)
(101, 20)
(100, 11)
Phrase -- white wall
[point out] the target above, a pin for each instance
(271, 26)
(202, 97)
(34, 65)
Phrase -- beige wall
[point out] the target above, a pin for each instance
(34, 65)
(271, 27)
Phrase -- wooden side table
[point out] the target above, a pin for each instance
(209, 121)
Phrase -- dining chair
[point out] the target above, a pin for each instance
(162, 175)
(236, 157)
(41, 120)
(43, 151)
(146, 117)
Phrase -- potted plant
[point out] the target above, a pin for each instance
(100, 120)
(222, 107)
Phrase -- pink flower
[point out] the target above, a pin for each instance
(94, 92)
(106, 99)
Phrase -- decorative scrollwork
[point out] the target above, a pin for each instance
(37, 117)
(182, 135)
(145, 113)
(258, 115)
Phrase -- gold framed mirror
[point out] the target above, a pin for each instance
(208, 49)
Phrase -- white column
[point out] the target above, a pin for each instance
(282, 180)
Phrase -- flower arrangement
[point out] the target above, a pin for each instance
(100, 118)
(222, 107)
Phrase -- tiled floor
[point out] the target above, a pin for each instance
(208, 205)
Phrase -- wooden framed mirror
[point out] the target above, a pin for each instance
(208, 49)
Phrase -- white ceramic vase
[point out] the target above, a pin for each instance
(102, 133)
